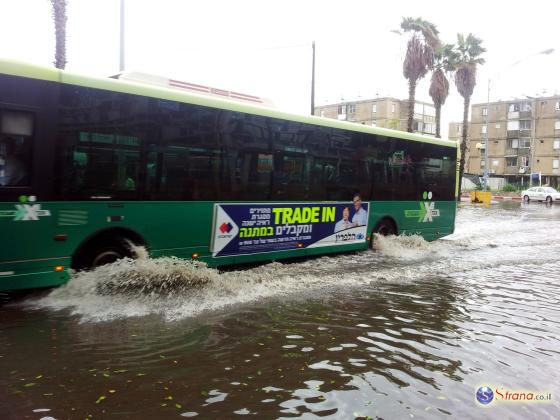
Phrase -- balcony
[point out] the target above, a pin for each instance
(516, 170)
(513, 115)
(526, 114)
(510, 152)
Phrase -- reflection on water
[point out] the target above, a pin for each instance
(409, 330)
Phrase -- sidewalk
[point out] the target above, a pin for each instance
(498, 195)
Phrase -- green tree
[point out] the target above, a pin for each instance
(469, 51)
(59, 17)
(419, 56)
(445, 59)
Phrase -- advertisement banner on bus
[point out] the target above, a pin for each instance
(241, 229)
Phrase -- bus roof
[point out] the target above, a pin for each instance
(17, 68)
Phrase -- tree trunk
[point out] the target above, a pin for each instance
(438, 118)
(411, 93)
(464, 142)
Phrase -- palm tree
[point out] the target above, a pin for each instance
(419, 57)
(59, 17)
(469, 51)
(444, 62)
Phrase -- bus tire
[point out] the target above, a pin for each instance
(385, 227)
(104, 252)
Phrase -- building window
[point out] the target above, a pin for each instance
(374, 123)
(524, 161)
(557, 107)
(513, 143)
(555, 163)
(556, 144)
(513, 108)
(429, 128)
(484, 111)
(484, 129)
(511, 161)
(525, 124)
(374, 108)
(498, 125)
(513, 125)
(524, 143)
(392, 107)
(482, 163)
(526, 106)
(322, 113)
(351, 108)
(557, 125)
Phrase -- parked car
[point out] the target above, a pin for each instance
(547, 194)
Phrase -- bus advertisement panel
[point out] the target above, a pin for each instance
(263, 227)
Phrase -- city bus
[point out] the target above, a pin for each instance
(90, 167)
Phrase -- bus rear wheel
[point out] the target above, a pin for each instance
(385, 227)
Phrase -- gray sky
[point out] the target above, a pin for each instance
(264, 47)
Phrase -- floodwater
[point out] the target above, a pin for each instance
(409, 330)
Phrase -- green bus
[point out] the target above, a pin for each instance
(89, 166)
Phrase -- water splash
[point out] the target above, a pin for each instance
(176, 288)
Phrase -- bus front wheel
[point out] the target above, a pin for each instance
(106, 252)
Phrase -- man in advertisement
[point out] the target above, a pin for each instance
(359, 217)
(345, 222)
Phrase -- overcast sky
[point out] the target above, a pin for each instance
(264, 47)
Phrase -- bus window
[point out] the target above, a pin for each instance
(15, 148)
(290, 177)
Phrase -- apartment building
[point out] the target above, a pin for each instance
(382, 112)
(523, 138)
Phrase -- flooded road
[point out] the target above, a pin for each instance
(409, 330)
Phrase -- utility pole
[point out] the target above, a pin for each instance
(313, 80)
(121, 61)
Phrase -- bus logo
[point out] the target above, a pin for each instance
(426, 213)
(25, 212)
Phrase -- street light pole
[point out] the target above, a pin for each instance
(121, 50)
(486, 185)
(485, 174)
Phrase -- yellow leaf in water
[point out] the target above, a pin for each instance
(101, 398)
(38, 376)
(112, 391)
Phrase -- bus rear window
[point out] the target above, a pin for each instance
(16, 131)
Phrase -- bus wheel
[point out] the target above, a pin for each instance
(107, 252)
(385, 227)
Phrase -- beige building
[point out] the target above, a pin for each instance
(382, 112)
(523, 138)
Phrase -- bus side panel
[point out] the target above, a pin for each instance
(429, 219)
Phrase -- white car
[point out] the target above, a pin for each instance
(547, 194)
